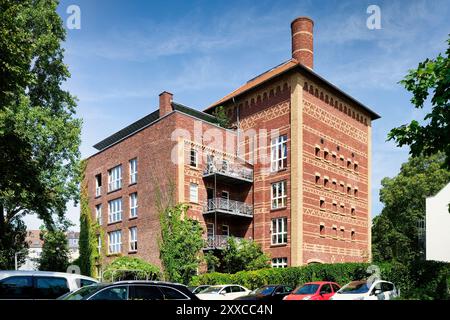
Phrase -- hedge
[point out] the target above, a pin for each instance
(130, 268)
(423, 280)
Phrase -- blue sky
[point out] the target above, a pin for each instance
(127, 52)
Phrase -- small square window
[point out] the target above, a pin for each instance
(193, 158)
(353, 235)
(317, 151)
(322, 230)
(322, 204)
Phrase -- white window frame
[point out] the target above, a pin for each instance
(227, 227)
(115, 210)
(279, 200)
(134, 205)
(279, 230)
(193, 192)
(98, 187)
(133, 170)
(278, 153)
(98, 213)
(279, 262)
(115, 242)
(115, 178)
(133, 239)
(99, 243)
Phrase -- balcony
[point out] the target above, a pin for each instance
(218, 242)
(228, 207)
(230, 173)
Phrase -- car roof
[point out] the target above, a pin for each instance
(320, 282)
(146, 282)
(9, 273)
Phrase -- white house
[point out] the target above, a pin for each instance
(438, 226)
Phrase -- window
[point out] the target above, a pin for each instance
(225, 230)
(143, 292)
(334, 157)
(342, 209)
(133, 171)
(342, 186)
(98, 213)
(115, 178)
(326, 289)
(225, 165)
(99, 243)
(335, 206)
(326, 154)
(133, 205)
(342, 233)
(115, 210)
(98, 185)
(193, 161)
(334, 185)
(356, 191)
(342, 160)
(193, 192)
(353, 211)
(355, 167)
(322, 204)
(322, 230)
(115, 242)
(279, 262)
(353, 235)
(133, 239)
(278, 153)
(172, 294)
(317, 151)
(84, 282)
(334, 232)
(279, 196)
(210, 230)
(349, 190)
(326, 183)
(279, 231)
(349, 163)
(20, 287)
(112, 293)
(317, 178)
(50, 287)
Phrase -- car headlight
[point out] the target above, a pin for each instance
(307, 298)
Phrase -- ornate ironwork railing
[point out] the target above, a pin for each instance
(229, 206)
(229, 169)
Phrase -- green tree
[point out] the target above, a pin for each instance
(395, 230)
(15, 245)
(430, 77)
(180, 244)
(242, 255)
(130, 268)
(39, 136)
(221, 117)
(55, 250)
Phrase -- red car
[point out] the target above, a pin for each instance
(320, 290)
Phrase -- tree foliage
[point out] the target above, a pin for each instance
(221, 117)
(55, 249)
(180, 244)
(130, 268)
(432, 77)
(242, 255)
(395, 230)
(39, 135)
(89, 230)
(14, 243)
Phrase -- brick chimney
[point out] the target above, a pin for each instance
(165, 103)
(302, 41)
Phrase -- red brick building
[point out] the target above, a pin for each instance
(293, 173)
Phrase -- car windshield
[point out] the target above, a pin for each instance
(212, 290)
(355, 287)
(82, 293)
(265, 291)
(307, 289)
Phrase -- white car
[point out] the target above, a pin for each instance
(363, 290)
(40, 284)
(223, 292)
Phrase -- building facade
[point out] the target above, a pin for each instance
(437, 226)
(292, 173)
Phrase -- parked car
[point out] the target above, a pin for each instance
(223, 292)
(39, 284)
(363, 290)
(268, 293)
(132, 290)
(198, 289)
(319, 290)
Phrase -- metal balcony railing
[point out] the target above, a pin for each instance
(219, 241)
(228, 206)
(229, 169)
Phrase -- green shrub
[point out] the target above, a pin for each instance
(128, 268)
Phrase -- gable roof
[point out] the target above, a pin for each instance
(280, 70)
(149, 120)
